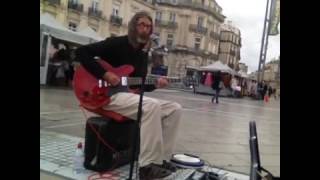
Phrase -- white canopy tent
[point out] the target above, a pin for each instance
(90, 33)
(243, 74)
(217, 66)
(192, 67)
(49, 25)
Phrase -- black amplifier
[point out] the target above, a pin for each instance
(117, 149)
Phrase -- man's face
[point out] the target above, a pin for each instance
(143, 29)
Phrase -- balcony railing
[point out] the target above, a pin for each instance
(94, 12)
(195, 5)
(213, 56)
(198, 29)
(116, 20)
(166, 24)
(75, 6)
(214, 35)
(57, 2)
(231, 65)
(194, 51)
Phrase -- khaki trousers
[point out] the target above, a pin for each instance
(159, 124)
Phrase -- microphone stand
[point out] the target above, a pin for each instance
(136, 130)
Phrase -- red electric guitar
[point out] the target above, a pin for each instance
(94, 93)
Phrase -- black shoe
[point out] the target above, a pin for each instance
(153, 172)
(169, 166)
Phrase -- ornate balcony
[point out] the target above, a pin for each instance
(198, 29)
(166, 24)
(116, 20)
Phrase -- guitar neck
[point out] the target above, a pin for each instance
(149, 80)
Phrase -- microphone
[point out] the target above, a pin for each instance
(155, 39)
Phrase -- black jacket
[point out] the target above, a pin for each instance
(216, 81)
(116, 51)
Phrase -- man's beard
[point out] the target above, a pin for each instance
(142, 39)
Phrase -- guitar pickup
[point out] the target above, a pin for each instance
(124, 81)
(102, 83)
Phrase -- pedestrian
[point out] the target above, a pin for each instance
(216, 86)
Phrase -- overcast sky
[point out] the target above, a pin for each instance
(248, 16)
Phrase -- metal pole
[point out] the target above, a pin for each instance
(267, 38)
(262, 42)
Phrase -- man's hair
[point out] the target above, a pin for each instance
(132, 29)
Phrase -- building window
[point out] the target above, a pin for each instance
(172, 17)
(214, 48)
(158, 15)
(170, 40)
(73, 26)
(174, 1)
(95, 4)
(197, 43)
(73, 1)
(230, 37)
(200, 21)
(115, 10)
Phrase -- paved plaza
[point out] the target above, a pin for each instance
(218, 133)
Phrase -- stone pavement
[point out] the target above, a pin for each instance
(219, 133)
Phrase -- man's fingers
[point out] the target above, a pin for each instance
(112, 78)
(115, 80)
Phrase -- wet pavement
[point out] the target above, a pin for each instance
(219, 133)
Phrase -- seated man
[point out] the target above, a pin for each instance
(160, 118)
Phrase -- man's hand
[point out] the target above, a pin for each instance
(162, 82)
(111, 78)
(147, 46)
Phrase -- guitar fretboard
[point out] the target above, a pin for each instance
(149, 80)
